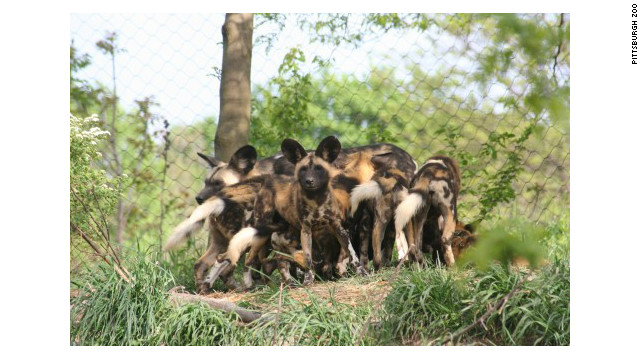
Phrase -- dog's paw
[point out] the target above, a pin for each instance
(203, 289)
(362, 271)
(308, 278)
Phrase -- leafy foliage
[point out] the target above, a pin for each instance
(281, 110)
(136, 150)
(83, 95)
(505, 242)
(93, 194)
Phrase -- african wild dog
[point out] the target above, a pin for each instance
(360, 162)
(290, 256)
(387, 188)
(315, 202)
(244, 164)
(433, 193)
(228, 211)
(463, 237)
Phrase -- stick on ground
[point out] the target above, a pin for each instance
(246, 315)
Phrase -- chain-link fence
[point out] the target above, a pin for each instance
(477, 88)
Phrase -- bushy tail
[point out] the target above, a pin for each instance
(213, 206)
(365, 191)
(407, 209)
(239, 243)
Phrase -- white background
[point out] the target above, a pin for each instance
(35, 168)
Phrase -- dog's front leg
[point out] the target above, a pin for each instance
(305, 240)
(217, 245)
(448, 228)
(347, 252)
(252, 261)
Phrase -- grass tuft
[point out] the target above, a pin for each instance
(198, 325)
(110, 311)
(430, 305)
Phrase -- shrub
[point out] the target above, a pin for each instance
(92, 193)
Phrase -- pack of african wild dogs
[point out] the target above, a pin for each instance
(323, 213)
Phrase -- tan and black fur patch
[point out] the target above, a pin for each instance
(350, 168)
(322, 204)
(377, 243)
(433, 194)
(244, 164)
(239, 200)
(463, 237)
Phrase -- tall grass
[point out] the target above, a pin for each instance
(318, 322)
(198, 324)
(493, 303)
(431, 305)
(110, 311)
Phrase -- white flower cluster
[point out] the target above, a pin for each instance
(78, 129)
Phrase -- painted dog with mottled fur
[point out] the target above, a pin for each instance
(240, 178)
(383, 193)
(360, 161)
(463, 237)
(358, 165)
(315, 202)
(433, 194)
(244, 164)
(228, 211)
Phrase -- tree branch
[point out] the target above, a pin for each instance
(105, 233)
(246, 315)
(88, 212)
(99, 253)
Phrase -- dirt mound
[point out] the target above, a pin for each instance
(345, 292)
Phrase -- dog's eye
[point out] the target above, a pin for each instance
(317, 167)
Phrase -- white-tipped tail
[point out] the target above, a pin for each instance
(401, 244)
(365, 191)
(239, 243)
(213, 206)
(407, 209)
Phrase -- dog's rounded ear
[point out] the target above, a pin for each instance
(329, 149)
(382, 161)
(292, 150)
(244, 159)
(210, 160)
(471, 227)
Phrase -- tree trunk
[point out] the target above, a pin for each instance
(235, 85)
